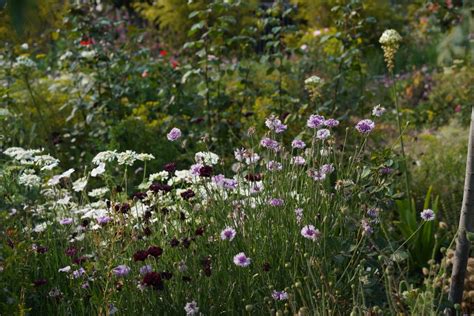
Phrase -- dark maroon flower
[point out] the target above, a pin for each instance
(147, 215)
(139, 195)
(140, 255)
(79, 260)
(123, 208)
(70, 251)
(40, 282)
(41, 249)
(199, 231)
(170, 167)
(182, 216)
(153, 279)
(254, 177)
(155, 251)
(188, 194)
(174, 242)
(205, 171)
(156, 187)
(186, 242)
(165, 275)
(147, 231)
(266, 267)
(85, 222)
(108, 203)
(118, 189)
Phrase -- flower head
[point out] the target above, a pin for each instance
(191, 308)
(331, 123)
(66, 221)
(378, 111)
(242, 260)
(275, 202)
(228, 233)
(310, 232)
(323, 134)
(274, 124)
(365, 126)
(121, 270)
(427, 215)
(274, 166)
(174, 134)
(279, 295)
(298, 144)
(270, 144)
(315, 121)
(390, 37)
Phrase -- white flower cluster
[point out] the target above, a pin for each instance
(24, 156)
(206, 158)
(24, 63)
(123, 158)
(313, 81)
(29, 179)
(390, 37)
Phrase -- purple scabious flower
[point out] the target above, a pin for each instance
(146, 269)
(365, 126)
(373, 212)
(327, 168)
(315, 121)
(66, 221)
(121, 270)
(196, 169)
(174, 134)
(228, 233)
(274, 124)
(298, 144)
(298, 160)
(366, 228)
(78, 273)
(270, 144)
(279, 295)
(317, 175)
(323, 134)
(310, 232)
(102, 220)
(275, 202)
(240, 154)
(427, 215)
(191, 308)
(274, 166)
(299, 215)
(242, 260)
(331, 123)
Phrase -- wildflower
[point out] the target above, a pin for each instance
(323, 134)
(127, 157)
(206, 158)
(140, 255)
(145, 269)
(29, 179)
(80, 184)
(104, 156)
(98, 192)
(228, 233)
(327, 168)
(240, 154)
(386, 170)
(331, 123)
(315, 121)
(182, 267)
(365, 126)
(373, 212)
(112, 309)
(191, 308)
(242, 260)
(390, 41)
(317, 175)
(279, 295)
(378, 110)
(188, 194)
(366, 228)
(100, 169)
(427, 215)
(66, 221)
(121, 270)
(275, 202)
(205, 171)
(155, 251)
(66, 269)
(46, 162)
(270, 144)
(174, 134)
(298, 144)
(274, 166)
(299, 215)
(88, 54)
(153, 279)
(298, 160)
(310, 232)
(252, 158)
(78, 273)
(170, 167)
(102, 220)
(160, 176)
(275, 124)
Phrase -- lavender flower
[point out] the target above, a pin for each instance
(427, 215)
(174, 134)
(78, 273)
(327, 168)
(270, 144)
(275, 124)
(298, 144)
(366, 228)
(274, 166)
(373, 212)
(323, 134)
(102, 220)
(299, 215)
(317, 175)
(310, 232)
(242, 260)
(275, 202)
(331, 123)
(365, 126)
(240, 154)
(66, 221)
(378, 111)
(191, 308)
(298, 160)
(146, 269)
(315, 121)
(228, 233)
(279, 295)
(121, 270)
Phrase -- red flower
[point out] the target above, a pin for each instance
(163, 53)
(174, 63)
(86, 42)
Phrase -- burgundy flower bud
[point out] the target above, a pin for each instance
(205, 171)
(153, 279)
(188, 194)
(140, 255)
(155, 251)
(170, 167)
(253, 177)
(174, 242)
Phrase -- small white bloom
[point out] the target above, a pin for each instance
(80, 184)
(100, 169)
